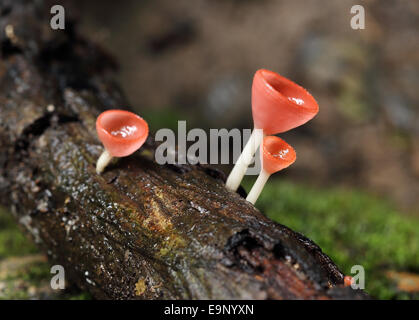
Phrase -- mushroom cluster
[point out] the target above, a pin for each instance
(278, 105)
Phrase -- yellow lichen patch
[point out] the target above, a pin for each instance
(170, 202)
(172, 242)
(156, 219)
(140, 287)
(159, 194)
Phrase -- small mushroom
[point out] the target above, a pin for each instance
(278, 105)
(347, 281)
(276, 155)
(121, 132)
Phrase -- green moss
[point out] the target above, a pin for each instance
(36, 273)
(351, 227)
(23, 273)
(12, 241)
(80, 296)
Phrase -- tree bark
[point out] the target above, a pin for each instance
(140, 230)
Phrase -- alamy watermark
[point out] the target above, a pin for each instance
(358, 18)
(57, 21)
(58, 280)
(220, 146)
(358, 278)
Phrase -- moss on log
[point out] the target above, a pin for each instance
(140, 230)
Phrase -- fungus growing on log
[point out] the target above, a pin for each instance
(347, 280)
(121, 132)
(278, 105)
(276, 155)
(185, 237)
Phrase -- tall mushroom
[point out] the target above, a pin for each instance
(278, 105)
(121, 132)
(276, 155)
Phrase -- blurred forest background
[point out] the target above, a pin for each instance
(354, 188)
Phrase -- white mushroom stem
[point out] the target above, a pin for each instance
(257, 188)
(103, 161)
(245, 159)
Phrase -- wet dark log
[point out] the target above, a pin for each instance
(140, 230)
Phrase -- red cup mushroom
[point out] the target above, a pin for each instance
(276, 155)
(278, 105)
(121, 132)
(347, 281)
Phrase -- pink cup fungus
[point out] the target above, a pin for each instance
(278, 105)
(276, 155)
(121, 132)
(347, 281)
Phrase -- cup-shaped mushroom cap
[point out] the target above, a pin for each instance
(121, 132)
(278, 104)
(276, 154)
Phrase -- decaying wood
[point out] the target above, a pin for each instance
(140, 230)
